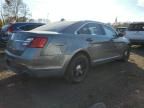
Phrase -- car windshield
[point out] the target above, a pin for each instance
(136, 27)
(56, 26)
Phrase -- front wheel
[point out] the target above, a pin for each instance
(126, 55)
(77, 69)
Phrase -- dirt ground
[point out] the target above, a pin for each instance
(116, 84)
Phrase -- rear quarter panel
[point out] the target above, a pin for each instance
(64, 46)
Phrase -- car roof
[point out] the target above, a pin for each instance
(65, 26)
(74, 25)
(90, 21)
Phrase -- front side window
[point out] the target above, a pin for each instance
(92, 29)
(110, 32)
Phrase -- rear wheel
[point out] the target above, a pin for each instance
(77, 69)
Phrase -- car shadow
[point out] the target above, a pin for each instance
(138, 50)
(105, 83)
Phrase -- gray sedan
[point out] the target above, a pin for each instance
(66, 48)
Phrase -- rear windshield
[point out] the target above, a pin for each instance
(29, 27)
(136, 27)
(56, 27)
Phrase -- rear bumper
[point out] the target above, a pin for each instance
(36, 72)
(20, 69)
(36, 67)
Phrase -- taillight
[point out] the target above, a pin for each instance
(10, 29)
(38, 42)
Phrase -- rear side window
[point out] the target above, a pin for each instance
(96, 29)
(28, 27)
(136, 27)
(84, 30)
(92, 29)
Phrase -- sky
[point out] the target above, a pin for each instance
(98, 10)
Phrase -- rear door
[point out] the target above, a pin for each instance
(86, 33)
(100, 46)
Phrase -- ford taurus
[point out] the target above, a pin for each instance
(66, 48)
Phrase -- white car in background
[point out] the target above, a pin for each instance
(135, 33)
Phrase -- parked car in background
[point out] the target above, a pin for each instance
(8, 29)
(135, 33)
(65, 48)
(121, 30)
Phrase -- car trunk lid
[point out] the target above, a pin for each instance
(20, 41)
(15, 43)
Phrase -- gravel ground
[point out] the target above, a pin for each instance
(116, 84)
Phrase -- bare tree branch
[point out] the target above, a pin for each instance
(16, 9)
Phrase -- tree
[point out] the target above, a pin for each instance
(24, 12)
(15, 9)
(8, 2)
(1, 12)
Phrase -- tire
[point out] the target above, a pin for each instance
(126, 55)
(77, 69)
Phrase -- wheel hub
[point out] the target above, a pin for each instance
(79, 70)
(125, 53)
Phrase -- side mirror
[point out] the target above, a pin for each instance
(120, 34)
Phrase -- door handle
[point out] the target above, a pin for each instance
(89, 39)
